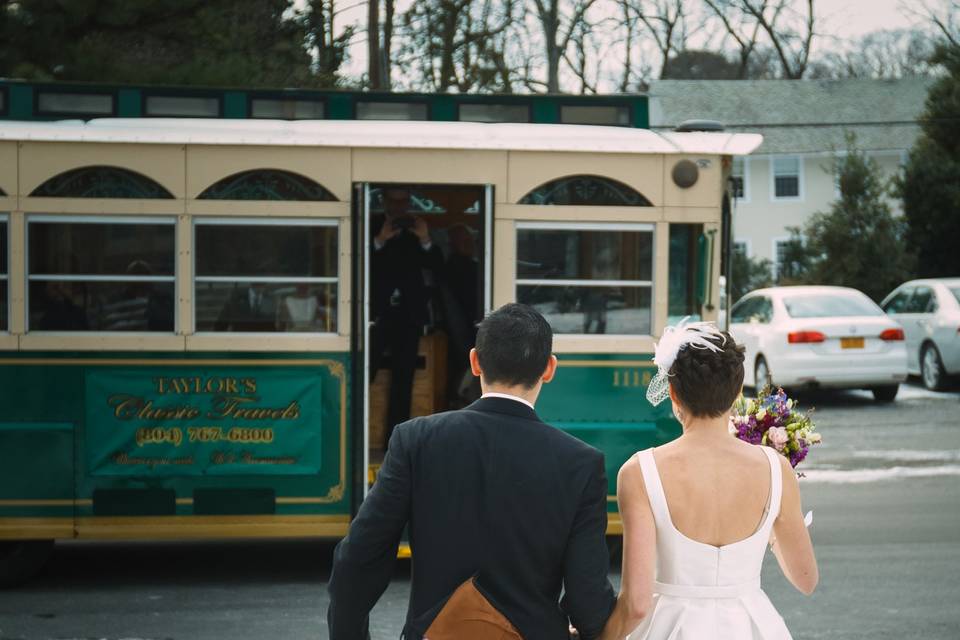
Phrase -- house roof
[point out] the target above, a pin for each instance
(383, 134)
(799, 116)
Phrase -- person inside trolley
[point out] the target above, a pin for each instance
(404, 264)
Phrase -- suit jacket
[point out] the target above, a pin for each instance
(490, 491)
(399, 265)
(239, 315)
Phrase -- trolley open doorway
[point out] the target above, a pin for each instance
(426, 265)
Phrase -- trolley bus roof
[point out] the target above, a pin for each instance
(383, 134)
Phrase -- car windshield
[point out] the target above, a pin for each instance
(829, 306)
(956, 292)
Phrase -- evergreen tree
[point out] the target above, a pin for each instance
(748, 274)
(858, 243)
(930, 186)
(189, 42)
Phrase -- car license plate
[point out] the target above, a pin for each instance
(851, 343)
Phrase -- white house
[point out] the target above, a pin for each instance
(804, 124)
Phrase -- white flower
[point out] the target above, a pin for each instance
(814, 438)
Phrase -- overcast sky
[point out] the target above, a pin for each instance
(837, 20)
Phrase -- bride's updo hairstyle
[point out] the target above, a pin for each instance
(707, 382)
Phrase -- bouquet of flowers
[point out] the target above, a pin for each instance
(773, 420)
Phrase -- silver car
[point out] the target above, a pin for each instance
(929, 311)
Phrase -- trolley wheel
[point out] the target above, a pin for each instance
(20, 560)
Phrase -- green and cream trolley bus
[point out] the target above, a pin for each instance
(185, 305)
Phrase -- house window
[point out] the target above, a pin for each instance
(494, 113)
(266, 275)
(738, 178)
(587, 278)
(368, 110)
(618, 116)
(786, 177)
(740, 248)
(787, 254)
(94, 274)
(182, 106)
(286, 109)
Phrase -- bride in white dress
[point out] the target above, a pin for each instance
(699, 512)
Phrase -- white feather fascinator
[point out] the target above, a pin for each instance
(699, 335)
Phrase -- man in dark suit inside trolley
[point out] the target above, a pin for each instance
(404, 263)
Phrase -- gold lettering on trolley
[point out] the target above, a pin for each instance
(631, 378)
(236, 407)
(247, 457)
(197, 385)
(123, 458)
(127, 407)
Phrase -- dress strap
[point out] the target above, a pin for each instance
(776, 484)
(655, 494)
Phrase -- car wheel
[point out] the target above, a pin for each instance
(886, 393)
(20, 560)
(761, 375)
(931, 368)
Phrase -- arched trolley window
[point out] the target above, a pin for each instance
(587, 278)
(265, 275)
(104, 274)
(102, 182)
(586, 190)
(267, 184)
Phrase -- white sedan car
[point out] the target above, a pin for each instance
(929, 311)
(819, 337)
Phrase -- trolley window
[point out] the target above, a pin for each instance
(276, 275)
(98, 274)
(587, 278)
(618, 116)
(287, 108)
(494, 112)
(266, 184)
(688, 272)
(56, 103)
(4, 275)
(182, 106)
(100, 181)
(586, 190)
(372, 110)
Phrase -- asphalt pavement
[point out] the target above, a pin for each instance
(884, 488)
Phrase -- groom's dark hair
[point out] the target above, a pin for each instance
(708, 382)
(514, 344)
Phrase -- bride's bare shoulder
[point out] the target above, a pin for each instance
(630, 478)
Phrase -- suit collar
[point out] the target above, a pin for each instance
(504, 406)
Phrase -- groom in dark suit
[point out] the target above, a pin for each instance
(489, 491)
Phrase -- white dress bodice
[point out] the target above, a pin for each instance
(706, 592)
